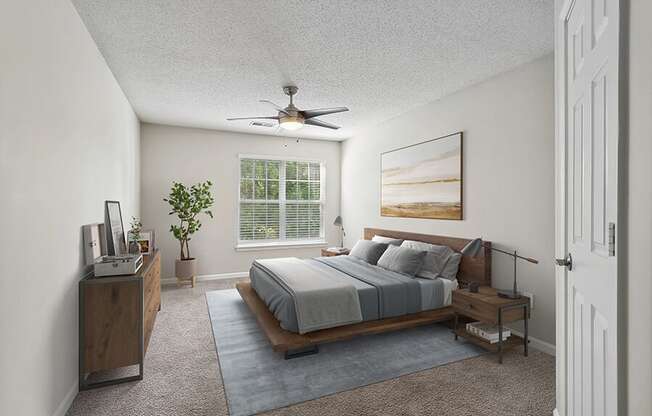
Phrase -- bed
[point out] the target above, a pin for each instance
(387, 301)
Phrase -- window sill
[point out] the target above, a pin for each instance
(280, 245)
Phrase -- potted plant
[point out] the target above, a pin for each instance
(134, 235)
(187, 203)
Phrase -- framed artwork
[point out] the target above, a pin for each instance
(146, 242)
(423, 180)
(115, 233)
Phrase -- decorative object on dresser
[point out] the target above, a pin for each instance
(187, 203)
(115, 235)
(335, 251)
(95, 249)
(116, 319)
(134, 235)
(423, 180)
(487, 307)
(146, 242)
(473, 248)
(338, 223)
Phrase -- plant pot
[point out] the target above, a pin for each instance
(185, 269)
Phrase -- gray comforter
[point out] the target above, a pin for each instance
(381, 293)
(320, 301)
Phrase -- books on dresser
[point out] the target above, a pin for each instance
(487, 331)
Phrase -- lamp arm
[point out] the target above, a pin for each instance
(512, 254)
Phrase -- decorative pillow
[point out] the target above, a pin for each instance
(368, 251)
(402, 260)
(387, 240)
(434, 260)
(451, 267)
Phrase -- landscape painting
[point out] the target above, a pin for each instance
(423, 180)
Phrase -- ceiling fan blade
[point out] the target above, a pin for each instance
(322, 112)
(253, 118)
(276, 106)
(319, 123)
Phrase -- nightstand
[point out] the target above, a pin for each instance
(326, 253)
(486, 306)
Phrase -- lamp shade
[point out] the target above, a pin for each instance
(338, 221)
(473, 248)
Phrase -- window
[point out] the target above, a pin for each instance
(281, 202)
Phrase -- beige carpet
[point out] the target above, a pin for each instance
(182, 378)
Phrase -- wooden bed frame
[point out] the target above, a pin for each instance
(476, 269)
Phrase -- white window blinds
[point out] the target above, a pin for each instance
(280, 200)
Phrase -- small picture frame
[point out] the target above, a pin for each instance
(146, 242)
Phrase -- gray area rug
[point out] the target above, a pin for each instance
(257, 379)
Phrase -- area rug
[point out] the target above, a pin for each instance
(257, 379)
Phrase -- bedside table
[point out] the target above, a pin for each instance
(486, 306)
(326, 253)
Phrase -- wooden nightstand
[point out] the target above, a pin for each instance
(486, 306)
(326, 253)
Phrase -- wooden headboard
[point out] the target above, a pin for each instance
(472, 269)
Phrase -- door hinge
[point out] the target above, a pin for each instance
(612, 239)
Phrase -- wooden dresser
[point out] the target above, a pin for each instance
(116, 319)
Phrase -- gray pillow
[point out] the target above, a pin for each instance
(435, 261)
(402, 260)
(368, 251)
(387, 240)
(452, 265)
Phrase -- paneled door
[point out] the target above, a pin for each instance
(590, 108)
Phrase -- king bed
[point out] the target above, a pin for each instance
(301, 303)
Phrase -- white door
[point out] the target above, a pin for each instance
(590, 108)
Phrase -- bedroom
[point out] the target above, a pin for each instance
(452, 141)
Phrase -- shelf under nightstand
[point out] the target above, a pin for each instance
(486, 306)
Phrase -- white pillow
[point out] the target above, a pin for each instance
(387, 240)
(436, 262)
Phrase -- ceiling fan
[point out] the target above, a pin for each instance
(291, 118)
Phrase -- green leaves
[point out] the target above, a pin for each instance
(187, 203)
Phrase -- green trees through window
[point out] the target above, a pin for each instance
(280, 200)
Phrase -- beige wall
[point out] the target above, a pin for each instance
(68, 142)
(508, 175)
(639, 212)
(192, 155)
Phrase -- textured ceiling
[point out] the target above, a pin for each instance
(197, 62)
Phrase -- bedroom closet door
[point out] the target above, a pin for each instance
(588, 134)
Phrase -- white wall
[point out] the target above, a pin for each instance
(639, 213)
(68, 141)
(194, 155)
(508, 175)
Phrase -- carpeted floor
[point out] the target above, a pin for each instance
(182, 378)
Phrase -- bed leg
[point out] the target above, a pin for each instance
(300, 352)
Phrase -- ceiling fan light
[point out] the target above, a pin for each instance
(291, 122)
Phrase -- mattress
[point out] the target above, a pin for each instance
(382, 293)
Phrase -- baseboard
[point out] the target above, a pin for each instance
(65, 404)
(207, 277)
(538, 344)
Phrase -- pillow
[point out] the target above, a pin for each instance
(435, 261)
(451, 267)
(368, 251)
(387, 240)
(402, 260)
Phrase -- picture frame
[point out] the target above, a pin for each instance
(146, 242)
(116, 244)
(424, 180)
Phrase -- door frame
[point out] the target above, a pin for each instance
(561, 13)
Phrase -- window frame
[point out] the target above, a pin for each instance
(247, 245)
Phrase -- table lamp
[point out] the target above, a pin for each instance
(473, 248)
